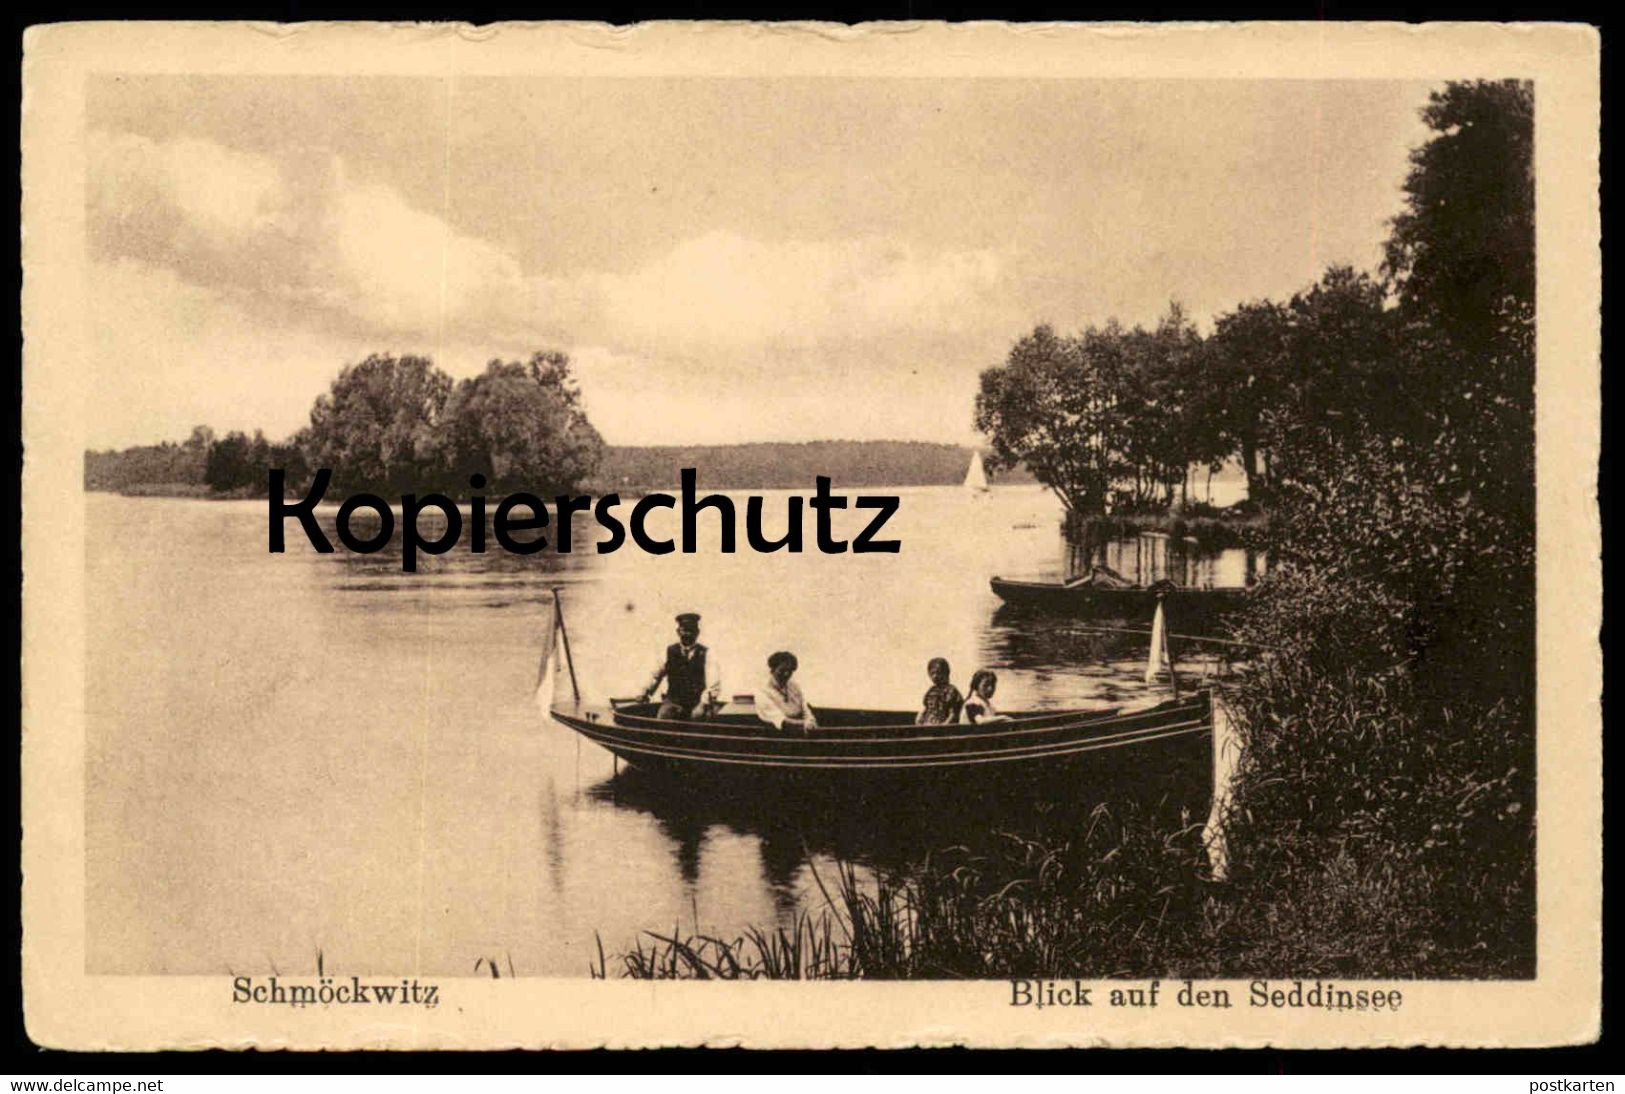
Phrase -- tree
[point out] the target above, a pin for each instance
(1105, 416)
(1463, 251)
(1279, 380)
(1340, 378)
(1461, 260)
(378, 427)
(1400, 418)
(1051, 405)
(290, 458)
(1183, 382)
(1462, 264)
(522, 427)
(1243, 361)
(1162, 432)
(238, 462)
(144, 466)
(231, 463)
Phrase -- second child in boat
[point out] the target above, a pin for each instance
(979, 707)
(942, 702)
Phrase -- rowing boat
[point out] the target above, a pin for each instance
(1111, 602)
(859, 747)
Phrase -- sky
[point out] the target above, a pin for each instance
(724, 260)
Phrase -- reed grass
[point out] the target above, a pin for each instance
(1099, 905)
(806, 949)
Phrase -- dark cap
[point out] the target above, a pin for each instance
(688, 617)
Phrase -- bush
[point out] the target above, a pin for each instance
(1408, 810)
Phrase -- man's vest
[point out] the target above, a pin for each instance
(685, 676)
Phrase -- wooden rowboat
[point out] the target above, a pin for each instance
(856, 749)
(860, 747)
(1109, 602)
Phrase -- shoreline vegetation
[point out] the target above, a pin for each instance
(1127, 897)
(1381, 821)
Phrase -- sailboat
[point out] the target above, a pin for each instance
(976, 476)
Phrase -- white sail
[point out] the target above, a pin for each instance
(547, 671)
(976, 477)
(1156, 662)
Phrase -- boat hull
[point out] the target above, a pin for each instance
(869, 752)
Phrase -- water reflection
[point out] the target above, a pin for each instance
(552, 829)
(896, 831)
(1150, 557)
(1109, 653)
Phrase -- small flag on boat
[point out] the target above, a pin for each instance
(1159, 641)
(546, 672)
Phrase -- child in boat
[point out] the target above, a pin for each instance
(979, 707)
(942, 702)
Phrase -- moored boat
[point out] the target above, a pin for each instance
(1119, 602)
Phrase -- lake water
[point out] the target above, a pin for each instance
(302, 753)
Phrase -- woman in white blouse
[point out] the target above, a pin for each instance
(780, 703)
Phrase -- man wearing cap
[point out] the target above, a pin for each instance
(690, 674)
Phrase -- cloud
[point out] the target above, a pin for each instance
(646, 399)
(725, 291)
(192, 188)
(300, 241)
(233, 281)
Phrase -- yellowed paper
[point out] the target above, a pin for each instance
(247, 772)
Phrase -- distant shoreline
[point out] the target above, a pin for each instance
(194, 492)
(178, 470)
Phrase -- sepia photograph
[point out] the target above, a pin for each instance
(1065, 529)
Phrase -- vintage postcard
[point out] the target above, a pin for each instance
(796, 535)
